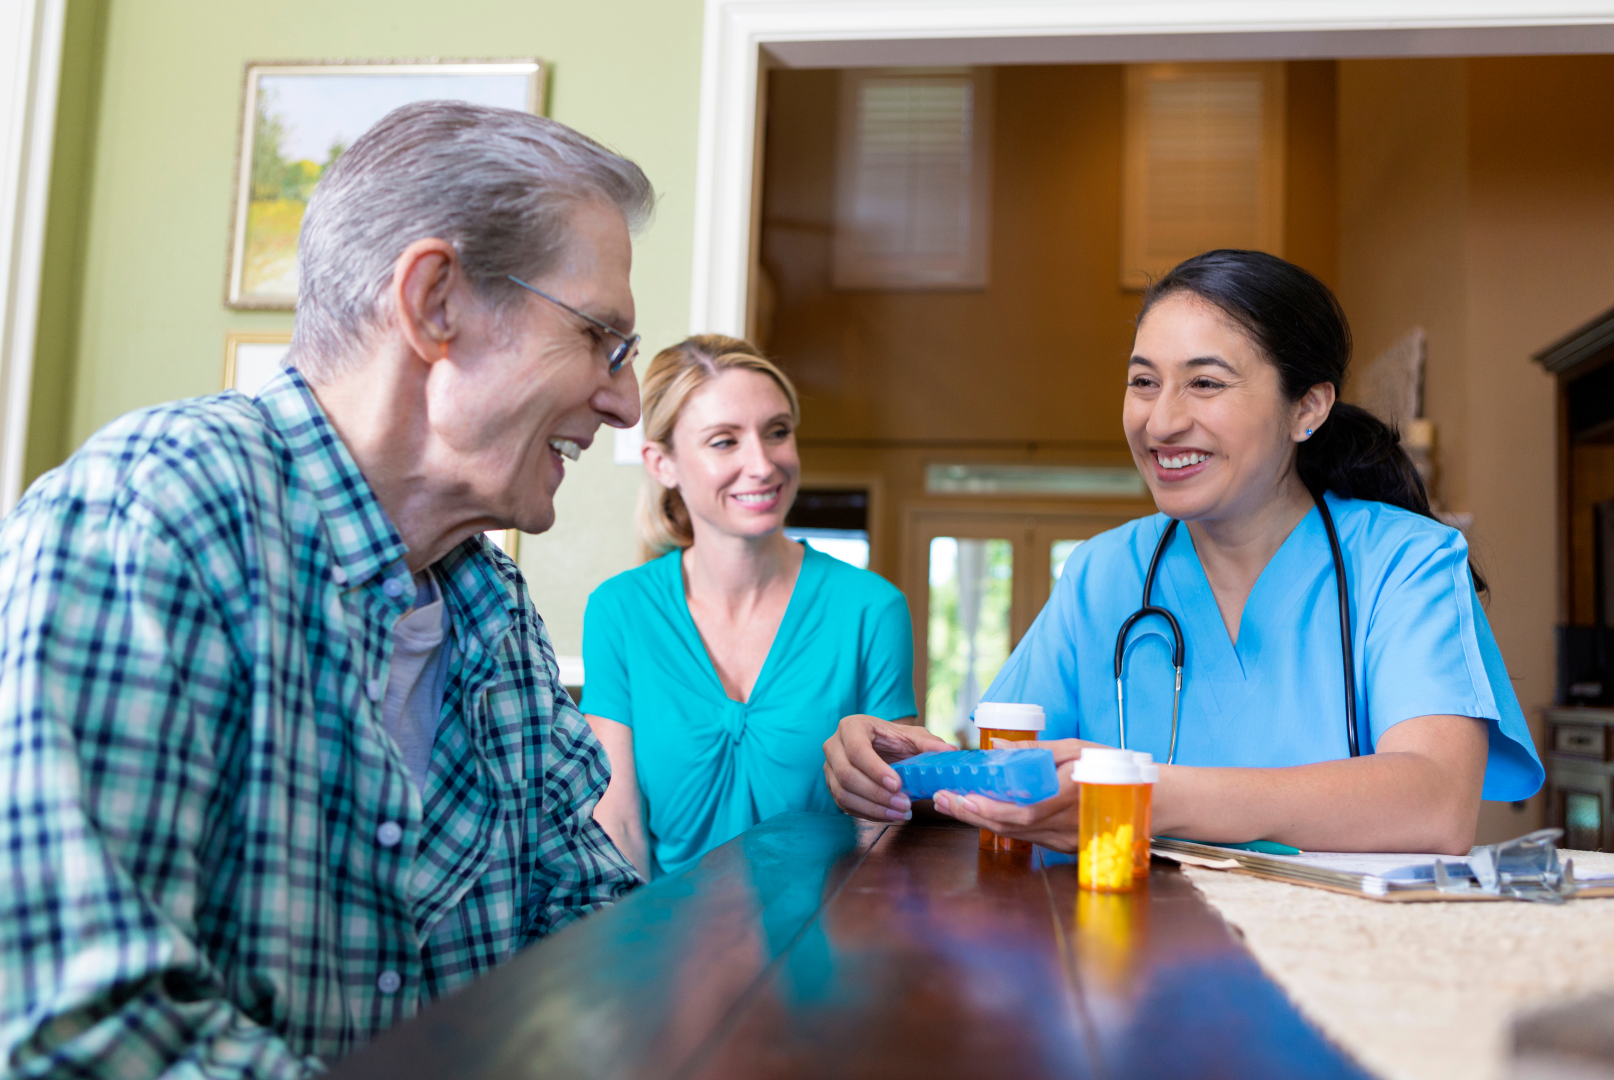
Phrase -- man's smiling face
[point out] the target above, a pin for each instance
(531, 386)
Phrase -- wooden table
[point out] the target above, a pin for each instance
(817, 946)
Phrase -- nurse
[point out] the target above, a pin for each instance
(1232, 416)
(715, 672)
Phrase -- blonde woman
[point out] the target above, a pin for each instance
(717, 669)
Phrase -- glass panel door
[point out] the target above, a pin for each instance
(975, 579)
(1058, 552)
(971, 594)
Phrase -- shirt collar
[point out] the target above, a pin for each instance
(479, 590)
(362, 537)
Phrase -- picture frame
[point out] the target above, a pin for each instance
(251, 359)
(296, 119)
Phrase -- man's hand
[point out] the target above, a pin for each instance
(1065, 751)
(855, 764)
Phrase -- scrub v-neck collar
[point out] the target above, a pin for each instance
(1212, 659)
(787, 624)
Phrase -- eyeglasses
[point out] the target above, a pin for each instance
(620, 355)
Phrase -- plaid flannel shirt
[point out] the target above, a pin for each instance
(213, 861)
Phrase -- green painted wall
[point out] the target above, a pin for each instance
(140, 223)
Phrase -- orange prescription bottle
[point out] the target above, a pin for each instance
(1007, 721)
(1108, 819)
(1150, 775)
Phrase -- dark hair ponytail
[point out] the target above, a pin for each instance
(1298, 323)
(1359, 456)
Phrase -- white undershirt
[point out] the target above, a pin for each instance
(415, 683)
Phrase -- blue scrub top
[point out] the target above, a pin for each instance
(711, 767)
(1422, 647)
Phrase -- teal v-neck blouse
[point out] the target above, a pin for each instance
(711, 767)
(1422, 647)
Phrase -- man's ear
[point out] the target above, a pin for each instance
(424, 281)
(659, 464)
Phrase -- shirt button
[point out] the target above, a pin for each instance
(389, 833)
(339, 575)
(389, 982)
(392, 587)
(374, 689)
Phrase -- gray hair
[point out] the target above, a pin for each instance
(499, 185)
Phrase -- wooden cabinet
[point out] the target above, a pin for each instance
(1580, 776)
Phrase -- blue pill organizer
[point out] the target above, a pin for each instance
(1017, 776)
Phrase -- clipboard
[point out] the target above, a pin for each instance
(1527, 868)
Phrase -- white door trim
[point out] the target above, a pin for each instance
(30, 69)
(742, 37)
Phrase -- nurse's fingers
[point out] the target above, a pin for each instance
(980, 811)
(993, 813)
(1065, 750)
(858, 806)
(1049, 822)
(1011, 815)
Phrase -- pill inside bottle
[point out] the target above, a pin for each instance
(1107, 822)
(1000, 723)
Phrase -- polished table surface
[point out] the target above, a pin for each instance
(815, 946)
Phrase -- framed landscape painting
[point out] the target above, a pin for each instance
(296, 121)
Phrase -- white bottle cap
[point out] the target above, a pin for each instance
(1147, 769)
(1102, 765)
(1010, 716)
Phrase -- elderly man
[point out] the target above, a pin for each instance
(284, 754)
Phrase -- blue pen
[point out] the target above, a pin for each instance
(1263, 847)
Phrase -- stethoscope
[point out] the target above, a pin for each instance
(1178, 650)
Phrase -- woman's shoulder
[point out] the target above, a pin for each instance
(1391, 549)
(646, 583)
(848, 583)
(1394, 533)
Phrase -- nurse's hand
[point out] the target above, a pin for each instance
(1051, 823)
(1065, 750)
(855, 764)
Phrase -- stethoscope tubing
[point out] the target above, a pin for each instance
(1344, 624)
(1179, 645)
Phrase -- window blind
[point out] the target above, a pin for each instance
(911, 181)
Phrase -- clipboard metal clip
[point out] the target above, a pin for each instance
(1526, 868)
